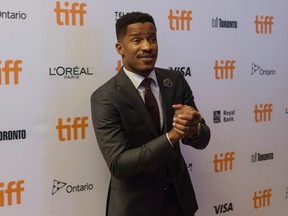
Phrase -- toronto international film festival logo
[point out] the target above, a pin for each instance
(70, 14)
(12, 194)
(9, 73)
(223, 162)
(70, 129)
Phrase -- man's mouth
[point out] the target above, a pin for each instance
(149, 57)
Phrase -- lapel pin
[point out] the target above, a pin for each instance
(167, 83)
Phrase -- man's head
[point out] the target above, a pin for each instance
(137, 42)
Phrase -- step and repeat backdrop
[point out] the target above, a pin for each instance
(54, 54)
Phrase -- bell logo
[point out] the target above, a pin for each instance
(10, 67)
(76, 11)
(182, 20)
(262, 198)
(65, 130)
(263, 24)
(263, 112)
(224, 70)
(6, 195)
(224, 162)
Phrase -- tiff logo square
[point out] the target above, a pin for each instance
(71, 128)
(66, 13)
(180, 20)
(11, 69)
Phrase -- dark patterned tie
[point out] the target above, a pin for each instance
(151, 103)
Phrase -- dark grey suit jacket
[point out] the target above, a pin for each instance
(135, 151)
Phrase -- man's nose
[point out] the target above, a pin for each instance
(146, 45)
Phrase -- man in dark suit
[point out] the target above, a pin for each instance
(149, 176)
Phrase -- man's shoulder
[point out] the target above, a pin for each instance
(165, 72)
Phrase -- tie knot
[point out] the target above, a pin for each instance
(147, 82)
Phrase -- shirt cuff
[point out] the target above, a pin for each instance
(169, 140)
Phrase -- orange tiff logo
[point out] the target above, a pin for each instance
(10, 68)
(224, 69)
(263, 24)
(262, 198)
(262, 113)
(180, 20)
(13, 188)
(65, 13)
(66, 130)
(223, 162)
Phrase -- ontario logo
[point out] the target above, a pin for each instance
(256, 69)
(59, 185)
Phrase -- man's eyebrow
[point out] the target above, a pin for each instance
(139, 34)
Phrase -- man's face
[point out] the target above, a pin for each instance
(139, 48)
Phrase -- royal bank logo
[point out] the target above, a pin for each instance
(69, 73)
(256, 69)
(180, 20)
(221, 23)
(185, 71)
(59, 186)
(224, 116)
(258, 157)
(12, 135)
(12, 15)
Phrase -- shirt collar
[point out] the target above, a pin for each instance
(137, 79)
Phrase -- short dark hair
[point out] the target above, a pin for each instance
(131, 18)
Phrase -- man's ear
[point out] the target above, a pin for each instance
(119, 48)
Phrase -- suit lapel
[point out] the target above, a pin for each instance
(128, 91)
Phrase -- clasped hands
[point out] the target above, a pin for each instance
(185, 122)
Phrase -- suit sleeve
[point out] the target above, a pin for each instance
(200, 141)
(122, 157)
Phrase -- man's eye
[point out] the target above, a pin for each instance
(136, 40)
